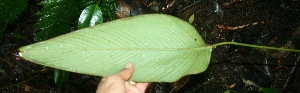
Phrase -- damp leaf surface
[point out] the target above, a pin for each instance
(90, 16)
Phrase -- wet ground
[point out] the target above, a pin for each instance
(235, 68)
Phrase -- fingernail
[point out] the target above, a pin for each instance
(128, 65)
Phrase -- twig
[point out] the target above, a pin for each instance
(291, 73)
(189, 6)
(5, 60)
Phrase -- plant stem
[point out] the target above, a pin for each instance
(255, 46)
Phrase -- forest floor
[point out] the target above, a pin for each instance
(235, 68)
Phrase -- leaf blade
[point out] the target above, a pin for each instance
(60, 77)
(90, 16)
(163, 49)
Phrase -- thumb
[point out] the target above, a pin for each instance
(127, 72)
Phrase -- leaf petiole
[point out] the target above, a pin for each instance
(255, 46)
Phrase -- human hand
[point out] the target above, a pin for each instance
(118, 83)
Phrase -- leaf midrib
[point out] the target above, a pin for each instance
(143, 49)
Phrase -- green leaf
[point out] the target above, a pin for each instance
(55, 18)
(60, 77)
(227, 91)
(163, 48)
(191, 19)
(90, 16)
(268, 90)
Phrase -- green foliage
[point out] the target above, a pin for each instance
(109, 8)
(55, 18)
(57, 15)
(60, 77)
(90, 16)
(10, 9)
(163, 48)
(85, 3)
(268, 90)
(191, 19)
(227, 91)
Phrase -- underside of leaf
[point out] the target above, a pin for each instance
(163, 48)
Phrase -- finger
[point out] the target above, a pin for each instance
(127, 72)
(132, 88)
(102, 80)
(142, 86)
